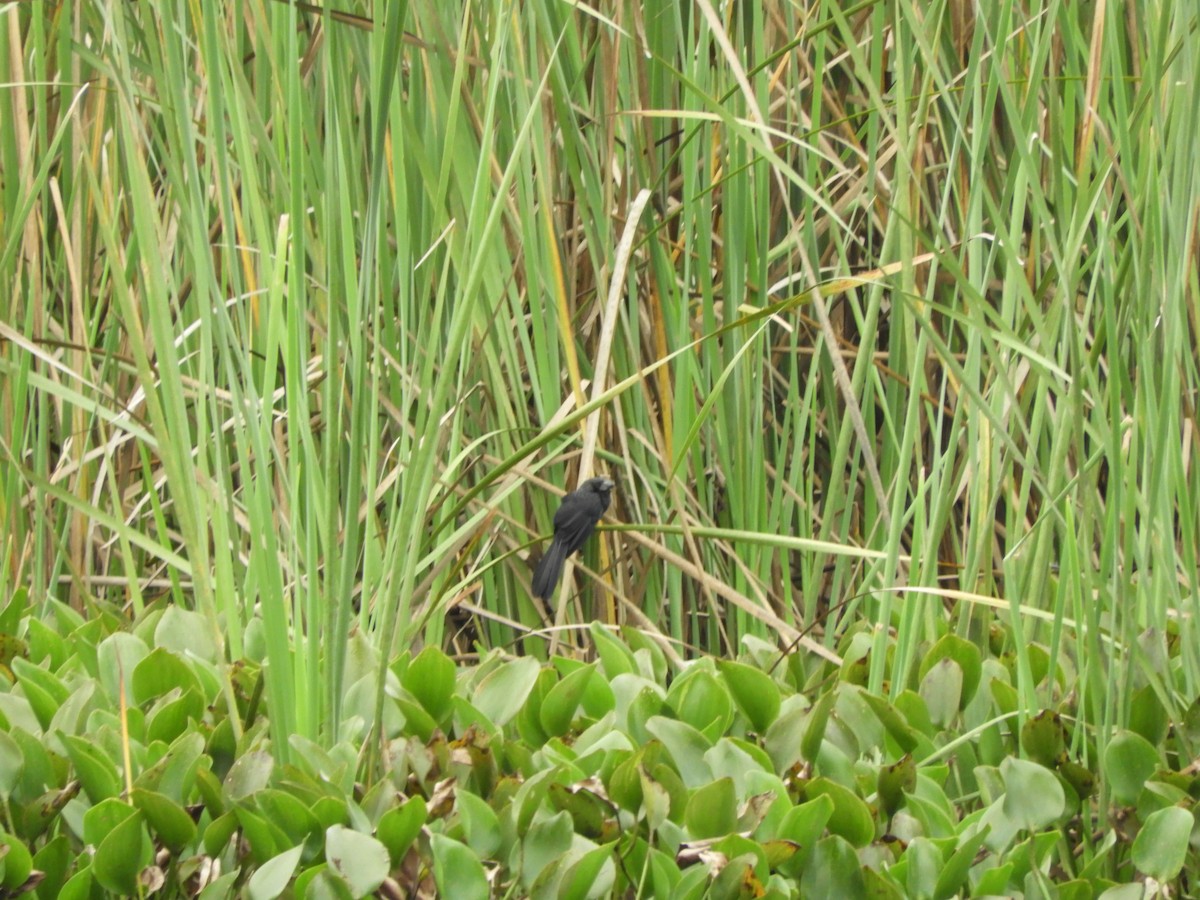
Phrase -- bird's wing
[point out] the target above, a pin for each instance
(576, 520)
(577, 510)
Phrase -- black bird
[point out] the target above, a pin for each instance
(573, 524)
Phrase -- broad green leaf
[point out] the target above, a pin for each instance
(544, 842)
(1043, 738)
(78, 887)
(480, 824)
(739, 877)
(54, 861)
(587, 809)
(97, 773)
(956, 869)
(656, 800)
(272, 877)
(251, 772)
(563, 699)
(264, 838)
(702, 701)
(430, 678)
(942, 690)
(529, 719)
(1034, 797)
(647, 703)
(399, 827)
(416, 720)
(624, 785)
(43, 689)
(815, 725)
(785, 736)
(893, 722)
(16, 863)
(1129, 761)
(1034, 852)
(806, 822)
(457, 871)
(503, 690)
(615, 658)
(1160, 848)
(319, 882)
(121, 855)
(651, 661)
(895, 782)
(923, 862)
(117, 656)
(964, 654)
(1147, 716)
(754, 691)
(219, 831)
(1004, 695)
(12, 763)
(686, 746)
(833, 870)
(851, 817)
(712, 810)
(187, 633)
(585, 878)
(358, 858)
(288, 812)
(172, 718)
(160, 672)
(167, 819)
(42, 811)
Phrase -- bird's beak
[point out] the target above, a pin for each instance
(609, 484)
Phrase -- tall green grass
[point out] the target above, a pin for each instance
(305, 312)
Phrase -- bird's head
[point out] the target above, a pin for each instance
(599, 485)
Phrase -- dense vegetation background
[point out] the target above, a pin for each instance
(883, 316)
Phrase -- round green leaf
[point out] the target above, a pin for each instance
(289, 812)
(121, 855)
(169, 820)
(1129, 761)
(103, 818)
(117, 656)
(1043, 737)
(965, 654)
(703, 702)
(17, 862)
(430, 678)
(358, 858)
(1160, 849)
(833, 871)
(851, 817)
(942, 690)
(712, 810)
(398, 827)
(1033, 795)
(457, 871)
(160, 672)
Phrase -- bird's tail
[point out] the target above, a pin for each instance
(545, 576)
